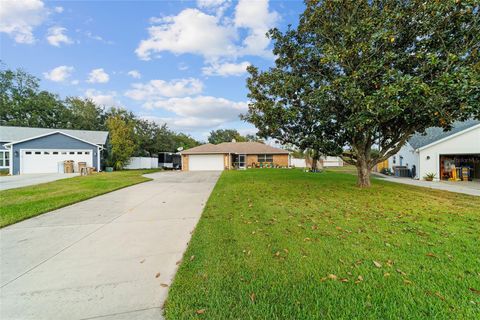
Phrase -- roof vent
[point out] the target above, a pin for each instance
(233, 140)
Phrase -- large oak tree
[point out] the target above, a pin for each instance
(361, 75)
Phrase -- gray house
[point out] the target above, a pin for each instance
(39, 150)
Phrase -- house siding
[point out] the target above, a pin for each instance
(280, 159)
(252, 158)
(55, 141)
(184, 162)
(465, 143)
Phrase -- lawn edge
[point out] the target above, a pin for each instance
(76, 201)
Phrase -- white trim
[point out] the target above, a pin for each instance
(98, 159)
(11, 161)
(448, 137)
(49, 134)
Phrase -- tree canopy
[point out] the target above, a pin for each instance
(354, 76)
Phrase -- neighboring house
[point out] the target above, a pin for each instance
(437, 151)
(40, 150)
(233, 155)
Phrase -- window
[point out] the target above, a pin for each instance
(4, 159)
(87, 152)
(46, 152)
(28, 152)
(55, 152)
(72, 152)
(38, 152)
(79, 152)
(394, 159)
(265, 158)
(63, 152)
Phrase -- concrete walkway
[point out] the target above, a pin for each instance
(470, 188)
(110, 257)
(23, 180)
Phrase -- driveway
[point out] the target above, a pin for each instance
(466, 187)
(110, 257)
(23, 180)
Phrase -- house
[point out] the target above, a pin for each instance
(39, 150)
(438, 152)
(233, 155)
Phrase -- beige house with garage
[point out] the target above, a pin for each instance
(233, 155)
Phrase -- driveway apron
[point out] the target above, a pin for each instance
(110, 257)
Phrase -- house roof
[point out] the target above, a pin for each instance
(434, 134)
(13, 134)
(235, 147)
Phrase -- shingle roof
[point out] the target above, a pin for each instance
(12, 134)
(434, 134)
(235, 147)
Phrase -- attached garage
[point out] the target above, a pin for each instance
(51, 161)
(206, 162)
(39, 150)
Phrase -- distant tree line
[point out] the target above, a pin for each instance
(23, 103)
(228, 135)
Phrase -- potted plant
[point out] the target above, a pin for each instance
(429, 176)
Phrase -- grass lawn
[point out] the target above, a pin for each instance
(23, 203)
(284, 244)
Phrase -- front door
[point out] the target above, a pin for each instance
(241, 161)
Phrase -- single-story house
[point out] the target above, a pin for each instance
(233, 155)
(39, 150)
(439, 152)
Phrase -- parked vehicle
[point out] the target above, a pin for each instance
(169, 160)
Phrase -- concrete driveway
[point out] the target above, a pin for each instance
(110, 257)
(23, 180)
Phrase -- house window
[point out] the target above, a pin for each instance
(79, 152)
(401, 160)
(265, 158)
(55, 152)
(4, 159)
(394, 159)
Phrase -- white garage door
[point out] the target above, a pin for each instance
(51, 161)
(205, 162)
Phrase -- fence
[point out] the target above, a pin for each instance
(142, 163)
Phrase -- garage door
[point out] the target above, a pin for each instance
(205, 162)
(49, 161)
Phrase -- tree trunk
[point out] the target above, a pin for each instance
(315, 157)
(363, 170)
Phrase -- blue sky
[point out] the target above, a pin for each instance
(179, 62)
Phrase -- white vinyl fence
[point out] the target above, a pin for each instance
(142, 163)
(325, 161)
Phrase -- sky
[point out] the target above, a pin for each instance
(179, 62)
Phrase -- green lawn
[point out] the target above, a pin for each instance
(23, 203)
(284, 244)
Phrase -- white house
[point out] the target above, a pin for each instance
(438, 152)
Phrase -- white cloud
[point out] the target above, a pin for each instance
(159, 89)
(58, 9)
(59, 74)
(102, 98)
(255, 16)
(98, 76)
(217, 6)
(226, 69)
(191, 31)
(134, 74)
(57, 36)
(203, 107)
(19, 18)
(187, 124)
